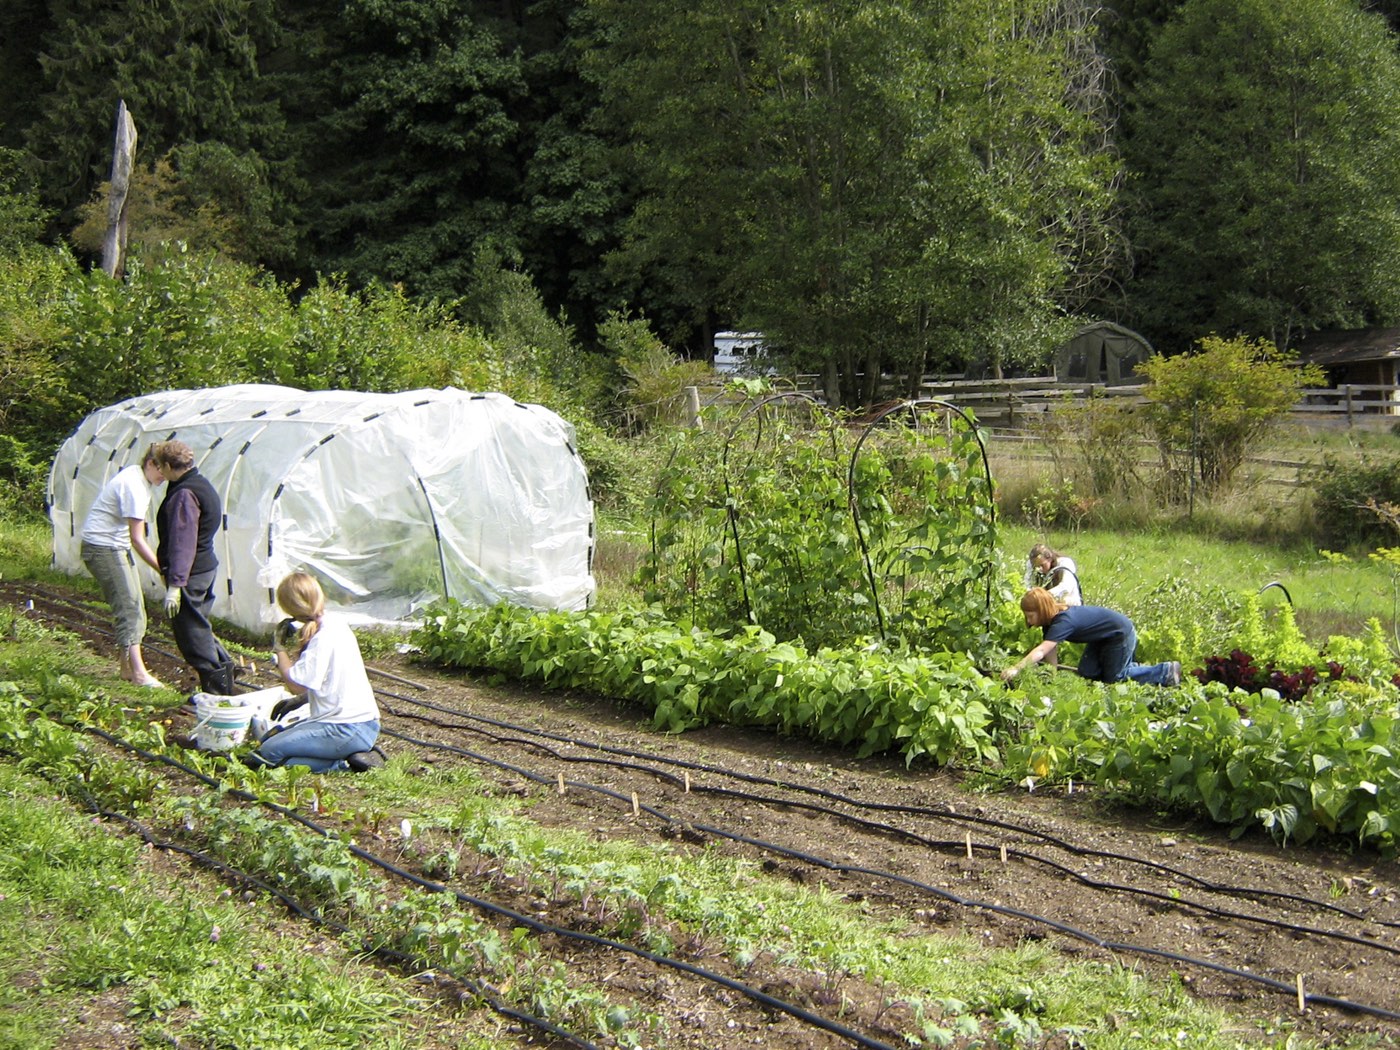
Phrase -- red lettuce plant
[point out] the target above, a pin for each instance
(1239, 671)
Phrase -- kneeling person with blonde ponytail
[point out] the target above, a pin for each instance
(321, 665)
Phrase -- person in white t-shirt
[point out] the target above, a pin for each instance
(321, 665)
(1056, 572)
(115, 526)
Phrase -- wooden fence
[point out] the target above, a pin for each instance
(1015, 403)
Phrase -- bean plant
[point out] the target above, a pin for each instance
(826, 534)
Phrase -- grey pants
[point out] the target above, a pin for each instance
(114, 569)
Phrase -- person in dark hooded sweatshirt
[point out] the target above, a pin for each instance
(187, 520)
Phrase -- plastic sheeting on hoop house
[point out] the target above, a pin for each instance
(391, 500)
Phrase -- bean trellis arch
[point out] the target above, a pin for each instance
(916, 409)
(807, 526)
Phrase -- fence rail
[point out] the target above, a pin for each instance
(1007, 403)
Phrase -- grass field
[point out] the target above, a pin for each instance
(1118, 569)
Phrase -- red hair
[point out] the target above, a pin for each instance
(1043, 603)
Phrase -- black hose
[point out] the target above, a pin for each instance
(367, 947)
(515, 917)
(924, 887)
(1252, 893)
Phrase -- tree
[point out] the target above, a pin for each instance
(188, 70)
(443, 128)
(23, 25)
(204, 195)
(874, 186)
(1130, 27)
(22, 217)
(1220, 401)
(1267, 158)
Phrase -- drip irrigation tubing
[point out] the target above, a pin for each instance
(828, 864)
(948, 844)
(966, 902)
(96, 629)
(517, 918)
(69, 603)
(1251, 893)
(401, 959)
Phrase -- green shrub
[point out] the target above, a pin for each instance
(1218, 402)
(1096, 445)
(1340, 494)
(614, 477)
(931, 706)
(656, 379)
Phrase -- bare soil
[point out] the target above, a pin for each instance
(1243, 924)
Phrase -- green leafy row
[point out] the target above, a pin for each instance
(1322, 766)
(934, 705)
(320, 871)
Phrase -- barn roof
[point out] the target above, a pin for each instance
(1352, 346)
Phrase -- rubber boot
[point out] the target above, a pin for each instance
(218, 681)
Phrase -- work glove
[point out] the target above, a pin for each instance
(172, 602)
(285, 707)
(284, 635)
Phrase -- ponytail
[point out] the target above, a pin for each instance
(301, 598)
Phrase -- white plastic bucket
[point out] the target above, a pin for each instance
(221, 722)
(262, 701)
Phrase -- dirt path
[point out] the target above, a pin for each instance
(1093, 881)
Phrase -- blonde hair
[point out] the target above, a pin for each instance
(1040, 601)
(301, 598)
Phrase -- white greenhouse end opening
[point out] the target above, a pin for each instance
(391, 500)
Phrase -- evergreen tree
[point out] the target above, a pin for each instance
(1387, 9)
(440, 128)
(187, 70)
(23, 24)
(1268, 164)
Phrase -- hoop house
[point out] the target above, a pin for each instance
(392, 500)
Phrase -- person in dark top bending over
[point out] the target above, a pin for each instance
(186, 522)
(1109, 638)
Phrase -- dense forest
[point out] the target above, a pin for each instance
(876, 185)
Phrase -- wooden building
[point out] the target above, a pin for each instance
(1359, 362)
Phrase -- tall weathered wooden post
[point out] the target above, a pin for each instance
(123, 158)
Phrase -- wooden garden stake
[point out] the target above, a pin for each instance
(1003, 852)
(969, 845)
(636, 806)
(1302, 999)
(561, 783)
(687, 782)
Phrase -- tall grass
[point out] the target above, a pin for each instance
(26, 546)
(1121, 568)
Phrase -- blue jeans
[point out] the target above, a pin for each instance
(1112, 661)
(321, 747)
